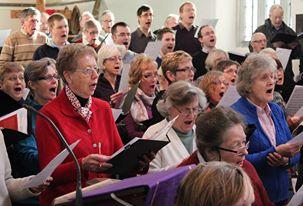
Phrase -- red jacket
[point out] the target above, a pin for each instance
(101, 128)
(261, 197)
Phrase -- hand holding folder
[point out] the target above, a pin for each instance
(126, 160)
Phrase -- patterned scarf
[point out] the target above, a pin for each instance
(83, 111)
(138, 108)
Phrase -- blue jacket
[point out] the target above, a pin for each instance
(26, 149)
(275, 179)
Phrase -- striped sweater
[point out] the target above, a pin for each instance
(19, 47)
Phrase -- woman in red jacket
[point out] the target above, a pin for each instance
(220, 137)
(78, 116)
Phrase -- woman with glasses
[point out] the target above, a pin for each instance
(110, 61)
(214, 85)
(78, 116)
(143, 69)
(229, 69)
(186, 101)
(268, 151)
(42, 79)
(221, 137)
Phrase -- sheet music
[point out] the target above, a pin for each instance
(124, 78)
(283, 55)
(299, 112)
(153, 49)
(230, 97)
(298, 140)
(163, 130)
(3, 35)
(50, 168)
(295, 101)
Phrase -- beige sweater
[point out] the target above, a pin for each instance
(19, 47)
(10, 188)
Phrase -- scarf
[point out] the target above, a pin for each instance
(138, 109)
(83, 111)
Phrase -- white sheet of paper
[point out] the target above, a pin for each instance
(3, 35)
(21, 119)
(163, 130)
(50, 168)
(283, 56)
(230, 97)
(153, 49)
(296, 66)
(116, 113)
(299, 112)
(25, 93)
(298, 140)
(124, 78)
(295, 101)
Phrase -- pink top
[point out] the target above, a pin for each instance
(267, 124)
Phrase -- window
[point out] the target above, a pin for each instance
(252, 13)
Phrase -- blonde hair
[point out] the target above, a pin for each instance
(172, 60)
(135, 72)
(10, 67)
(203, 184)
(208, 79)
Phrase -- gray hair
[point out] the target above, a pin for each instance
(213, 56)
(250, 70)
(30, 11)
(105, 52)
(274, 7)
(269, 52)
(180, 93)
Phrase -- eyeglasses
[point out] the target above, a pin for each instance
(114, 58)
(187, 69)
(187, 112)
(237, 150)
(92, 32)
(88, 71)
(149, 75)
(260, 41)
(16, 77)
(49, 78)
(219, 82)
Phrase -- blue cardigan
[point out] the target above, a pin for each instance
(275, 179)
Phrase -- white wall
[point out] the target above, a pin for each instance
(296, 8)
(125, 10)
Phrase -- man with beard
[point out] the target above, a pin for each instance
(207, 39)
(167, 38)
(20, 45)
(121, 36)
(58, 28)
(142, 35)
(185, 30)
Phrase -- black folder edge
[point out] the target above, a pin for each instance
(12, 136)
(126, 162)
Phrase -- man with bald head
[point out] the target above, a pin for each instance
(258, 42)
(274, 24)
